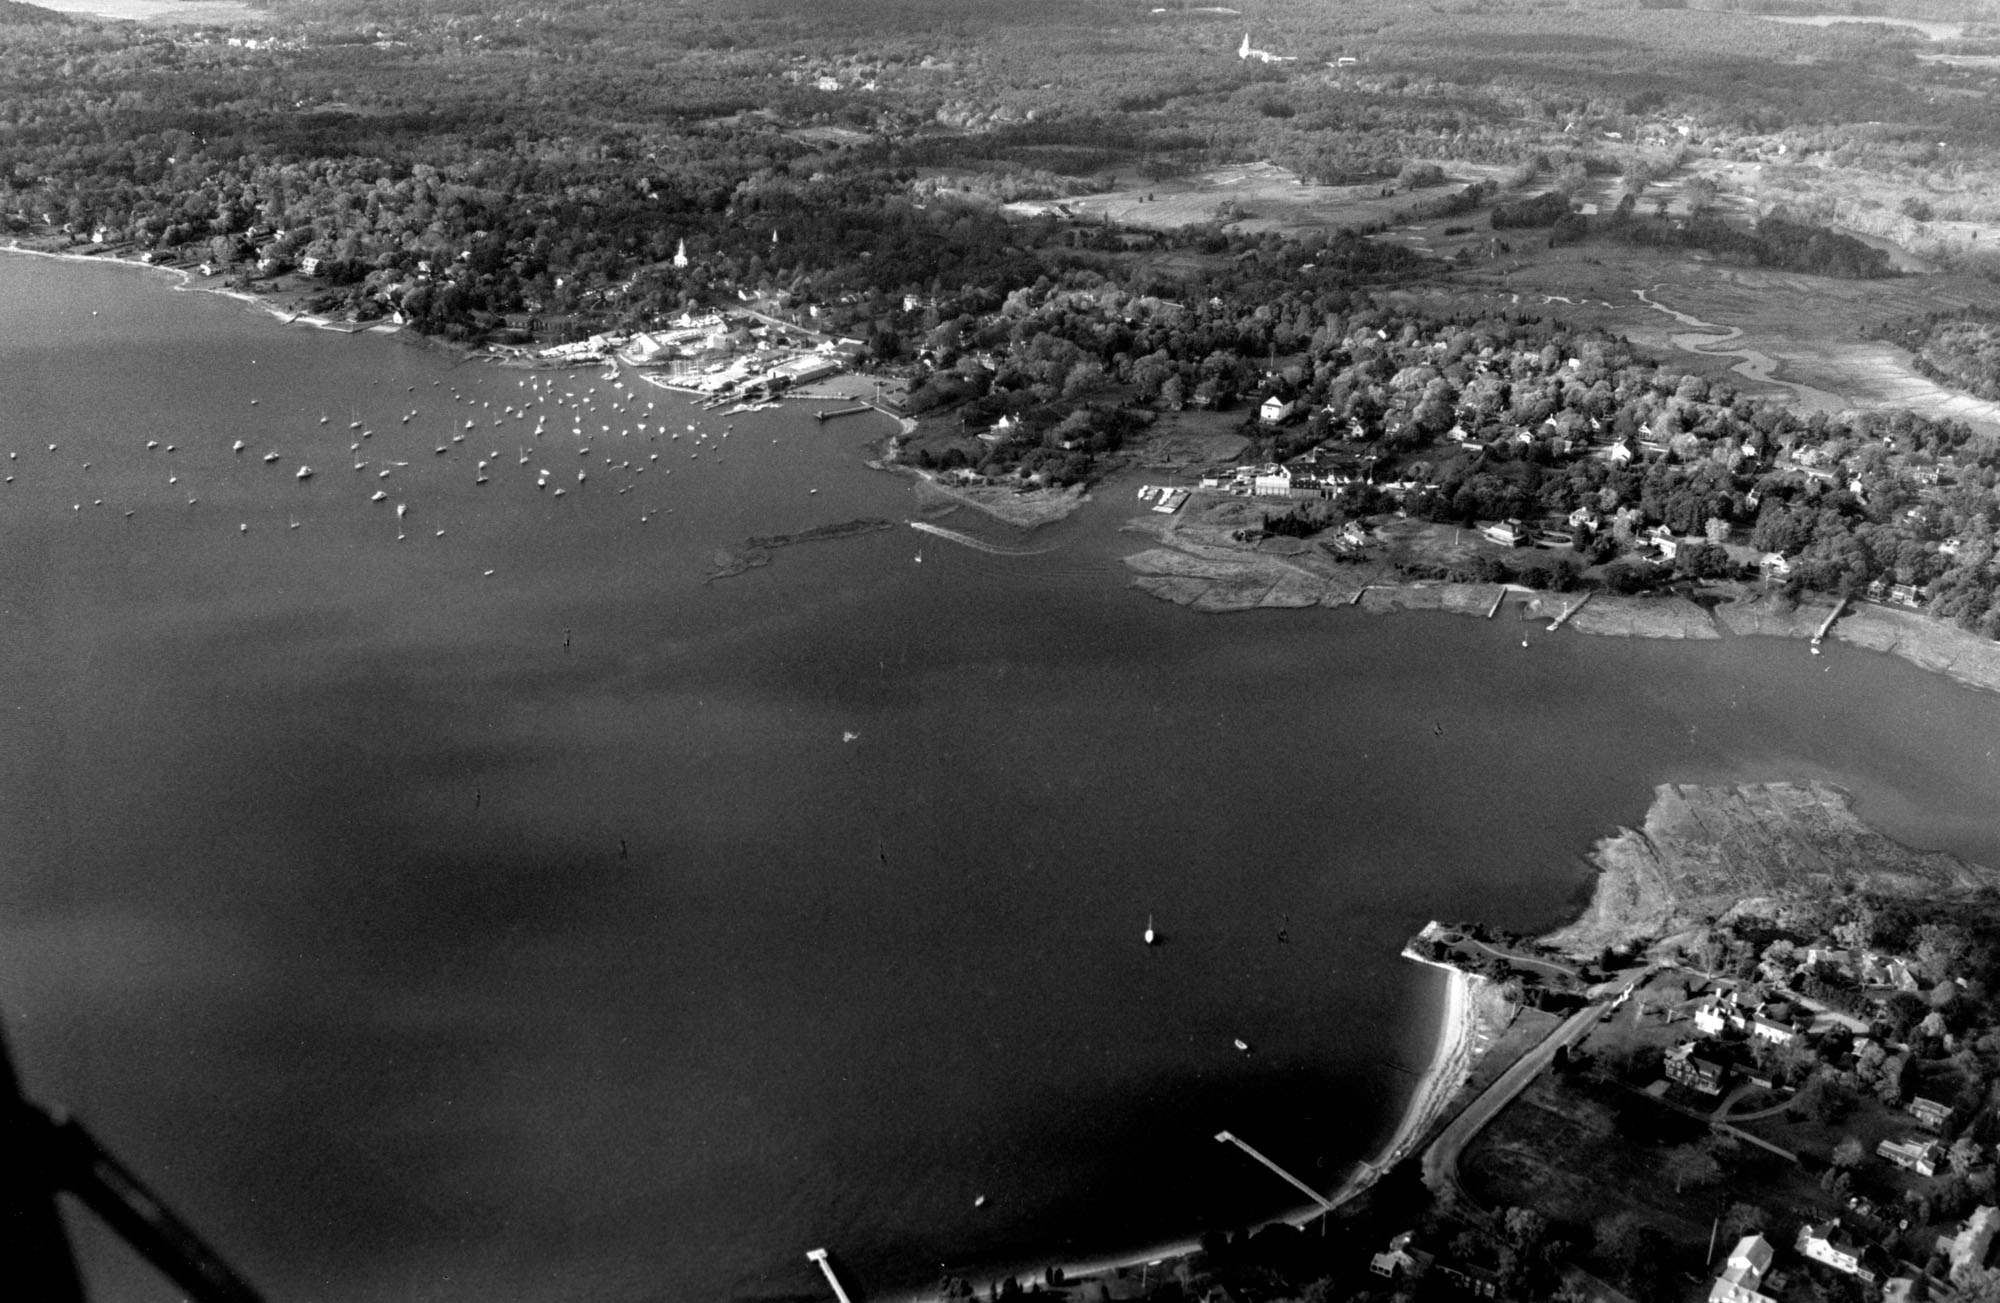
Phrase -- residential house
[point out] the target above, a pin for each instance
(1773, 1022)
(1887, 970)
(1924, 1157)
(1831, 1244)
(1476, 1281)
(1507, 533)
(1295, 481)
(1663, 538)
(1772, 1031)
(1967, 1249)
(1743, 1273)
(1585, 518)
(1400, 1259)
(1774, 565)
(1689, 1069)
(1929, 1113)
(1274, 411)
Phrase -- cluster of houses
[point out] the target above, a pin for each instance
(1724, 1017)
(1747, 1275)
(1320, 474)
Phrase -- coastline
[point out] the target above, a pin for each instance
(187, 285)
(1028, 510)
(1197, 566)
(1456, 1046)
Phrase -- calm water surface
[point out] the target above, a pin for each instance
(425, 934)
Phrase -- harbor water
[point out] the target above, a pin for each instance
(469, 901)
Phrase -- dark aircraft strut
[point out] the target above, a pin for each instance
(43, 1155)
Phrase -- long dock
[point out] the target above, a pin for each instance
(826, 1268)
(1568, 611)
(824, 415)
(1310, 1193)
(1498, 600)
(1826, 625)
(1359, 593)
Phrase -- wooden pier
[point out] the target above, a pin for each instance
(819, 1256)
(1826, 625)
(1568, 611)
(824, 415)
(1359, 593)
(1498, 601)
(1325, 1204)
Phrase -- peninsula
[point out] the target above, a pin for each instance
(1771, 1027)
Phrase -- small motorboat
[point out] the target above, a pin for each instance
(1242, 1046)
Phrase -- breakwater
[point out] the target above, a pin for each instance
(821, 533)
(976, 544)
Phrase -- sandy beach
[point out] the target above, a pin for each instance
(1458, 1044)
(1450, 1067)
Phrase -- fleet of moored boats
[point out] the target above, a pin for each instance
(561, 411)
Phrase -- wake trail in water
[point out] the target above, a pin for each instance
(979, 544)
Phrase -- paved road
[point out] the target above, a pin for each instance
(1525, 961)
(1440, 1166)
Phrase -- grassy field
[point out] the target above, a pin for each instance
(1256, 197)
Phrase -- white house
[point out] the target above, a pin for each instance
(1743, 1273)
(1830, 1244)
(1274, 410)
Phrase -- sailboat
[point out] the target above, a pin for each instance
(1152, 937)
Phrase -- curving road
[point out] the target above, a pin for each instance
(1440, 1164)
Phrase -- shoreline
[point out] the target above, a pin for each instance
(1455, 1047)
(1024, 511)
(1215, 577)
(186, 284)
